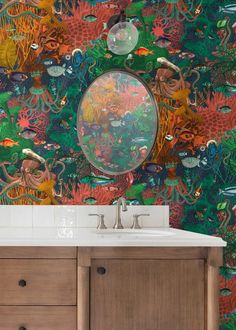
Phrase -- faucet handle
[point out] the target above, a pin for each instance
(101, 223)
(136, 224)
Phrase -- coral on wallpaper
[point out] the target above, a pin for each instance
(51, 51)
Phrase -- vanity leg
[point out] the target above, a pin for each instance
(83, 298)
(212, 298)
(214, 261)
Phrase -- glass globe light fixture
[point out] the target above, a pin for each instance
(122, 38)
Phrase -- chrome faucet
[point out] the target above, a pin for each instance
(121, 202)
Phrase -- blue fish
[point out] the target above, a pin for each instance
(94, 180)
(230, 191)
(229, 9)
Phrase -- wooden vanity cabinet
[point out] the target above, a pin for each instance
(104, 288)
(149, 288)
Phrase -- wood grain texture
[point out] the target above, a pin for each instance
(215, 256)
(38, 252)
(83, 298)
(147, 295)
(212, 298)
(38, 318)
(49, 282)
(86, 254)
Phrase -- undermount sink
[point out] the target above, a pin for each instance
(140, 233)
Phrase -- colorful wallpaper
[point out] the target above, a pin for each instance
(51, 51)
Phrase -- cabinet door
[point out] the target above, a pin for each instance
(147, 295)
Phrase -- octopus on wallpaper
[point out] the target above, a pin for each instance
(51, 51)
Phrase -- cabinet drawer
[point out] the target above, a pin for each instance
(37, 282)
(37, 318)
(38, 252)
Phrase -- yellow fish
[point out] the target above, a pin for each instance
(142, 51)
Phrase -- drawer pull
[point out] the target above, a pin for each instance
(22, 328)
(22, 283)
(101, 270)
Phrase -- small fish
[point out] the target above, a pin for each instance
(90, 18)
(224, 109)
(139, 139)
(230, 191)
(8, 143)
(229, 9)
(152, 168)
(48, 62)
(162, 42)
(225, 292)
(63, 101)
(18, 77)
(190, 162)
(52, 146)
(18, 37)
(94, 180)
(142, 51)
(56, 70)
(169, 137)
(28, 133)
(183, 154)
(34, 46)
(2, 111)
(90, 200)
(186, 55)
(116, 123)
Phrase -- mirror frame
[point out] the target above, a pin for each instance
(152, 96)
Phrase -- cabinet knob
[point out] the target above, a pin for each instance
(101, 270)
(22, 328)
(22, 283)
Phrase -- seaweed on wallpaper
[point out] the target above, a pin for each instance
(50, 52)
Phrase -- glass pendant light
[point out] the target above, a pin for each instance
(122, 37)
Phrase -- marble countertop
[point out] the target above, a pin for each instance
(65, 236)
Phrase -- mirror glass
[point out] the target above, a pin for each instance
(117, 122)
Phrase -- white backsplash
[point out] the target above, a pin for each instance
(78, 216)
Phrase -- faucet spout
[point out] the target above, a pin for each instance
(121, 202)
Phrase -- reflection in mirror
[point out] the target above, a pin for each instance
(117, 122)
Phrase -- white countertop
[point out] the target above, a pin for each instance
(59, 236)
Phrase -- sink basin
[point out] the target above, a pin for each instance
(138, 233)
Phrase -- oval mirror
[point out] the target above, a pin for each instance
(117, 122)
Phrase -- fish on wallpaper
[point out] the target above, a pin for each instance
(50, 53)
